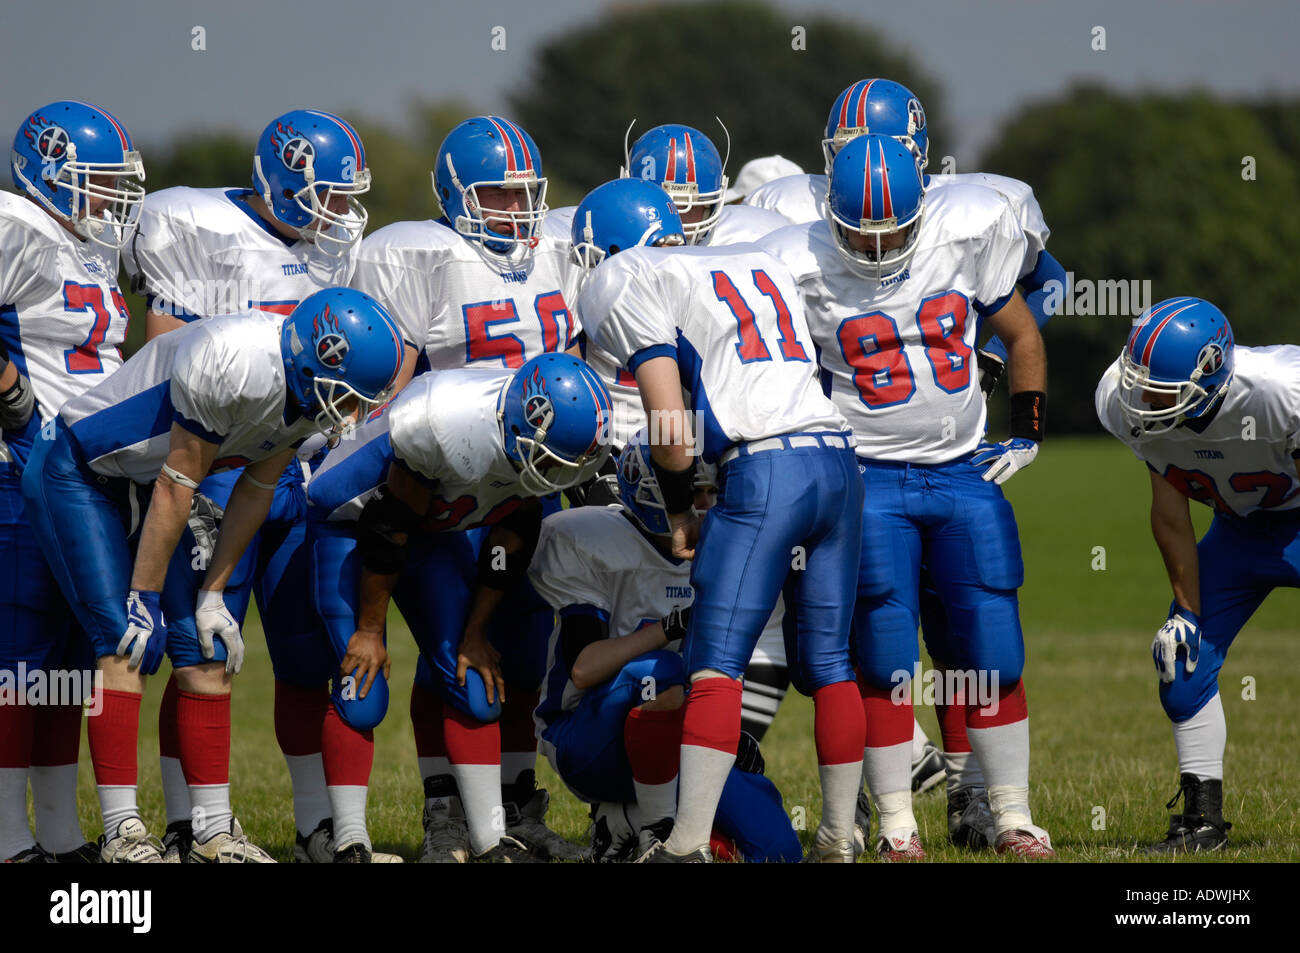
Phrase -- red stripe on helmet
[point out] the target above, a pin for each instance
(511, 165)
(349, 132)
(862, 104)
(867, 208)
(121, 133)
(690, 159)
(523, 144)
(887, 203)
(844, 106)
(1146, 351)
(670, 173)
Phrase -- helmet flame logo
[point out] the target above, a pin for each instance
(539, 412)
(295, 150)
(331, 347)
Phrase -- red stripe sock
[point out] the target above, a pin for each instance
(113, 735)
(888, 722)
(468, 740)
(203, 733)
(57, 736)
(300, 718)
(654, 744)
(346, 754)
(426, 723)
(952, 726)
(712, 714)
(839, 723)
(1011, 706)
(722, 847)
(169, 738)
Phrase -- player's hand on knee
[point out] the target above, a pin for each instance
(145, 639)
(685, 529)
(478, 653)
(1003, 460)
(1182, 630)
(212, 618)
(366, 657)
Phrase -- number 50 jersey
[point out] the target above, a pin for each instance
(731, 319)
(900, 353)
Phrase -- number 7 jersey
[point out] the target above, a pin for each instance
(899, 354)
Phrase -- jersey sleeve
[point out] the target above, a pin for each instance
(560, 571)
(626, 312)
(215, 387)
(383, 272)
(166, 263)
(999, 260)
(27, 260)
(411, 431)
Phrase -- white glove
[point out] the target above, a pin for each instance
(1183, 629)
(1005, 459)
(211, 617)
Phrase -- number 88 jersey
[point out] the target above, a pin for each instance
(462, 306)
(62, 315)
(900, 354)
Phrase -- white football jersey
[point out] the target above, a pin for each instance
(593, 556)
(743, 223)
(1242, 462)
(461, 305)
(802, 198)
(559, 222)
(62, 316)
(222, 379)
(900, 355)
(443, 427)
(203, 252)
(732, 319)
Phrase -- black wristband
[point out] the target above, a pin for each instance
(677, 486)
(1028, 413)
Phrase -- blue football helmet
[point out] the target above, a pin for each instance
(491, 152)
(881, 107)
(339, 344)
(623, 213)
(77, 161)
(1180, 348)
(875, 191)
(555, 415)
(303, 160)
(686, 165)
(638, 487)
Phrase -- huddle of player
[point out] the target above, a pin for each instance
(780, 398)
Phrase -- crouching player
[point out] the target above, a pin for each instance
(610, 715)
(237, 390)
(1183, 399)
(390, 511)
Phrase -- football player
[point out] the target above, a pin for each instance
(62, 319)
(198, 253)
(459, 449)
(790, 496)
(611, 706)
(1220, 425)
(483, 286)
(895, 281)
(758, 172)
(236, 390)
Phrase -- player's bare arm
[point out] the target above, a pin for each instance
(159, 322)
(1171, 525)
(187, 463)
(600, 661)
(660, 384)
(1014, 324)
(249, 503)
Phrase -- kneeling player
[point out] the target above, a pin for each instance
(610, 715)
(1177, 397)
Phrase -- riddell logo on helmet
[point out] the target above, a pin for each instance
(520, 175)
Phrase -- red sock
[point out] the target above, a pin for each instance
(300, 718)
(654, 744)
(888, 721)
(58, 736)
(712, 714)
(1011, 707)
(839, 723)
(203, 731)
(346, 754)
(468, 740)
(952, 726)
(169, 738)
(17, 730)
(722, 847)
(113, 735)
(426, 722)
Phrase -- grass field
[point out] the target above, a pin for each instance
(1100, 739)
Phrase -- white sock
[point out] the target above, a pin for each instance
(1200, 741)
(515, 763)
(840, 786)
(311, 800)
(116, 804)
(701, 776)
(888, 769)
(656, 801)
(480, 793)
(54, 792)
(963, 770)
(15, 835)
(176, 793)
(895, 808)
(919, 740)
(211, 814)
(1003, 752)
(348, 806)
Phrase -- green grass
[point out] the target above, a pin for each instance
(1100, 738)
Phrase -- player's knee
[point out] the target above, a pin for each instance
(472, 700)
(884, 644)
(661, 669)
(995, 643)
(362, 714)
(1184, 697)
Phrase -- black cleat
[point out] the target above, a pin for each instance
(354, 853)
(177, 841)
(1201, 827)
(85, 854)
(506, 851)
(32, 855)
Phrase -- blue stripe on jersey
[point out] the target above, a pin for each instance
(154, 303)
(364, 469)
(587, 610)
(691, 367)
(134, 421)
(234, 195)
(988, 310)
(196, 428)
(19, 441)
(646, 353)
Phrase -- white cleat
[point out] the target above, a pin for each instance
(229, 848)
(903, 844)
(1028, 841)
(132, 844)
(828, 851)
(446, 836)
